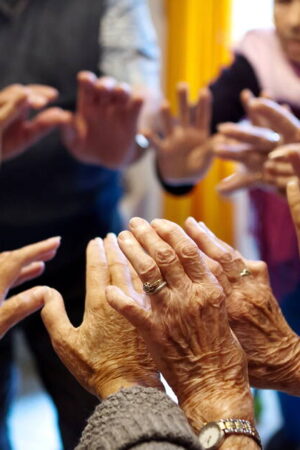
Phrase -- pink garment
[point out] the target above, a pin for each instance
(273, 227)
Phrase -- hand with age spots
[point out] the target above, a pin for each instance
(16, 267)
(186, 329)
(104, 353)
(272, 348)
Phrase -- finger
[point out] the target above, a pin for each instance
(20, 306)
(162, 253)
(183, 103)
(30, 272)
(43, 124)
(55, 317)
(121, 94)
(97, 273)
(134, 109)
(230, 260)
(85, 89)
(128, 308)
(218, 272)
(167, 124)
(40, 251)
(238, 181)
(279, 168)
(185, 248)
(294, 157)
(237, 153)
(143, 264)
(279, 119)
(203, 111)
(49, 92)
(246, 96)
(279, 182)
(293, 196)
(260, 138)
(11, 110)
(118, 265)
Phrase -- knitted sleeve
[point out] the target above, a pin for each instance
(138, 418)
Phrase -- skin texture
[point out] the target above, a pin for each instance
(253, 145)
(102, 130)
(18, 132)
(19, 266)
(183, 150)
(104, 353)
(287, 22)
(186, 329)
(272, 348)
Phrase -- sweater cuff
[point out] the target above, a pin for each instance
(183, 189)
(135, 416)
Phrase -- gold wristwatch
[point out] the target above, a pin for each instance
(213, 434)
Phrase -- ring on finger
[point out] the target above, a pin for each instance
(153, 288)
(245, 272)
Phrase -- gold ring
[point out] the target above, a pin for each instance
(153, 288)
(245, 272)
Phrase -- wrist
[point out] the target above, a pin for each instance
(114, 385)
(217, 405)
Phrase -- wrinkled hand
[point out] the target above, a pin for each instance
(104, 353)
(16, 267)
(272, 348)
(184, 151)
(103, 128)
(186, 329)
(17, 131)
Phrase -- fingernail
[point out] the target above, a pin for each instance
(124, 235)
(278, 154)
(136, 222)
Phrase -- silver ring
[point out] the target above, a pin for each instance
(245, 272)
(153, 288)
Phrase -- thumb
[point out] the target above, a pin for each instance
(127, 307)
(20, 306)
(55, 317)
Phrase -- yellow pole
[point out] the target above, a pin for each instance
(197, 46)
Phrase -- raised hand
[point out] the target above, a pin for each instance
(184, 152)
(17, 131)
(16, 267)
(103, 129)
(104, 353)
(272, 348)
(186, 329)
(274, 125)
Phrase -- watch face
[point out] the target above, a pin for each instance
(210, 436)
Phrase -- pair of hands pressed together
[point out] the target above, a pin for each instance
(101, 131)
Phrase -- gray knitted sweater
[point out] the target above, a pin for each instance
(138, 419)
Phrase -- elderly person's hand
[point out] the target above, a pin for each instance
(186, 329)
(103, 128)
(104, 353)
(272, 348)
(184, 151)
(17, 130)
(16, 267)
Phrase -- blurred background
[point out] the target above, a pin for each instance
(195, 37)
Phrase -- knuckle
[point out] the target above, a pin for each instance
(149, 270)
(165, 256)
(189, 251)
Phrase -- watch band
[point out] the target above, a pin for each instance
(241, 427)
(213, 434)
